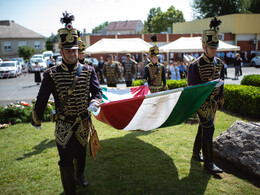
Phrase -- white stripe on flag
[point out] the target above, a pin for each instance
(118, 94)
(153, 112)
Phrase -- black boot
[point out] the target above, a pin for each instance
(197, 146)
(80, 166)
(68, 181)
(209, 165)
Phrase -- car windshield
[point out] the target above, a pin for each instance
(36, 60)
(37, 56)
(18, 59)
(47, 55)
(7, 64)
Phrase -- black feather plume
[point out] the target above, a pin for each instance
(67, 18)
(154, 38)
(79, 33)
(214, 22)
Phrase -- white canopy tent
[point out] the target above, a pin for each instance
(126, 45)
(193, 44)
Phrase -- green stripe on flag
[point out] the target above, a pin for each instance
(104, 97)
(189, 102)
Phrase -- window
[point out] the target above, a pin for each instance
(22, 43)
(7, 46)
(37, 44)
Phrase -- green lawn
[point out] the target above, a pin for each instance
(154, 162)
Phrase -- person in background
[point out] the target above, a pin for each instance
(145, 62)
(72, 117)
(237, 64)
(204, 69)
(111, 71)
(225, 68)
(50, 62)
(154, 72)
(183, 70)
(129, 70)
(175, 72)
(37, 73)
(100, 70)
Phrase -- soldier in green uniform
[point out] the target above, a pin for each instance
(204, 69)
(154, 72)
(76, 90)
(111, 71)
(129, 70)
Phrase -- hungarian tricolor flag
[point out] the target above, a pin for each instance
(136, 108)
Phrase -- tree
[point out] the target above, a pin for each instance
(98, 29)
(158, 21)
(26, 52)
(211, 8)
(255, 6)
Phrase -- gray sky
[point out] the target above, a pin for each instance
(43, 17)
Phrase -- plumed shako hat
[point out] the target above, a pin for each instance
(154, 51)
(210, 36)
(68, 36)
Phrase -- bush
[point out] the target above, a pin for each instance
(137, 82)
(174, 84)
(253, 80)
(22, 112)
(243, 100)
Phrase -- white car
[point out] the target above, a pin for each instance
(31, 64)
(38, 56)
(10, 69)
(47, 55)
(58, 60)
(255, 61)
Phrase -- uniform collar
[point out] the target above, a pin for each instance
(207, 59)
(68, 67)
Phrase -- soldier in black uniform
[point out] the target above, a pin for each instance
(154, 72)
(207, 68)
(72, 117)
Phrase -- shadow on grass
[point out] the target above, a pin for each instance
(128, 165)
(45, 144)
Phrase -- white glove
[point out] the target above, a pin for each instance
(93, 107)
(146, 83)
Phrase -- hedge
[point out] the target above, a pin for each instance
(172, 84)
(253, 80)
(243, 100)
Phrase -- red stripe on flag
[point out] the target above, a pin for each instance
(119, 113)
(140, 91)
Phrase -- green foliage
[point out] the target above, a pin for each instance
(26, 52)
(211, 8)
(137, 82)
(21, 112)
(243, 100)
(49, 46)
(174, 84)
(98, 29)
(158, 21)
(253, 80)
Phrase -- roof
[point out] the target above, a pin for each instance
(9, 29)
(123, 25)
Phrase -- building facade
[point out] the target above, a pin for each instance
(125, 27)
(13, 35)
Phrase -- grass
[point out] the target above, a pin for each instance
(154, 162)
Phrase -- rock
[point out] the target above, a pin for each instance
(240, 145)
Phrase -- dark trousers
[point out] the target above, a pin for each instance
(128, 83)
(73, 150)
(204, 138)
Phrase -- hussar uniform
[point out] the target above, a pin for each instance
(72, 117)
(202, 70)
(154, 74)
(111, 73)
(129, 70)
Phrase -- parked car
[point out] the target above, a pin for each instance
(47, 55)
(93, 60)
(255, 61)
(58, 60)
(10, 69)
(31, 64)
(38, 56)
(21, 61)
